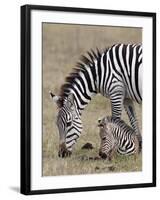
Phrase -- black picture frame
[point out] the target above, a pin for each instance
(26, 98)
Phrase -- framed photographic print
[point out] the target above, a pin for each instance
(85, 124)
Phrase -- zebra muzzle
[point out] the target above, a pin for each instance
(63, 154)
(102, 155)
(63, 151)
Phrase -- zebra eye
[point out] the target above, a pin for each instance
(103, 138)
(69, 123)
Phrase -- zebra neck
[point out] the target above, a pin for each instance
(81, 99)
(115, 130)
(86, 81)
(83, 88)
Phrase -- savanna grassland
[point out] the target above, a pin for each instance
(62, 47)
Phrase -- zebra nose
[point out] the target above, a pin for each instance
(64, 153)
(61, 154)
(102, 155)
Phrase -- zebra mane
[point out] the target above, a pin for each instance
(84, 60)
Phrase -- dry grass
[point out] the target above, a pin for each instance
(62, 47)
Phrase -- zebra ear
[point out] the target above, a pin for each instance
(56, 99)
(100, 124)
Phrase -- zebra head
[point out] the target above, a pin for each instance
(107, 144)
(68, 122)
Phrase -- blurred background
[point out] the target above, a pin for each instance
(63, 44)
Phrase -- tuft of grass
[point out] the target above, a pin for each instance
(80, 163)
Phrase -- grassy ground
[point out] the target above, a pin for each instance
(62, 47)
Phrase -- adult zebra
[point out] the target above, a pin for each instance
(115, 73)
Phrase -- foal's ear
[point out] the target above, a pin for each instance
(100, 124)
(56, 99)
(99, 120)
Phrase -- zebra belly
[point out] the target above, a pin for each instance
(124, 151)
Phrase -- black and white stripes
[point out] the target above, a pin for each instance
(117, 136)
(115, 73)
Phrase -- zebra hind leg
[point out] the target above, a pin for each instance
(129, 107)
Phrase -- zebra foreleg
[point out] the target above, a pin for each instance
(129, 107)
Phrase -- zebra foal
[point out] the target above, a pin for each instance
(117, 136)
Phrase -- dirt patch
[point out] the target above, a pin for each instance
(87, 146)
